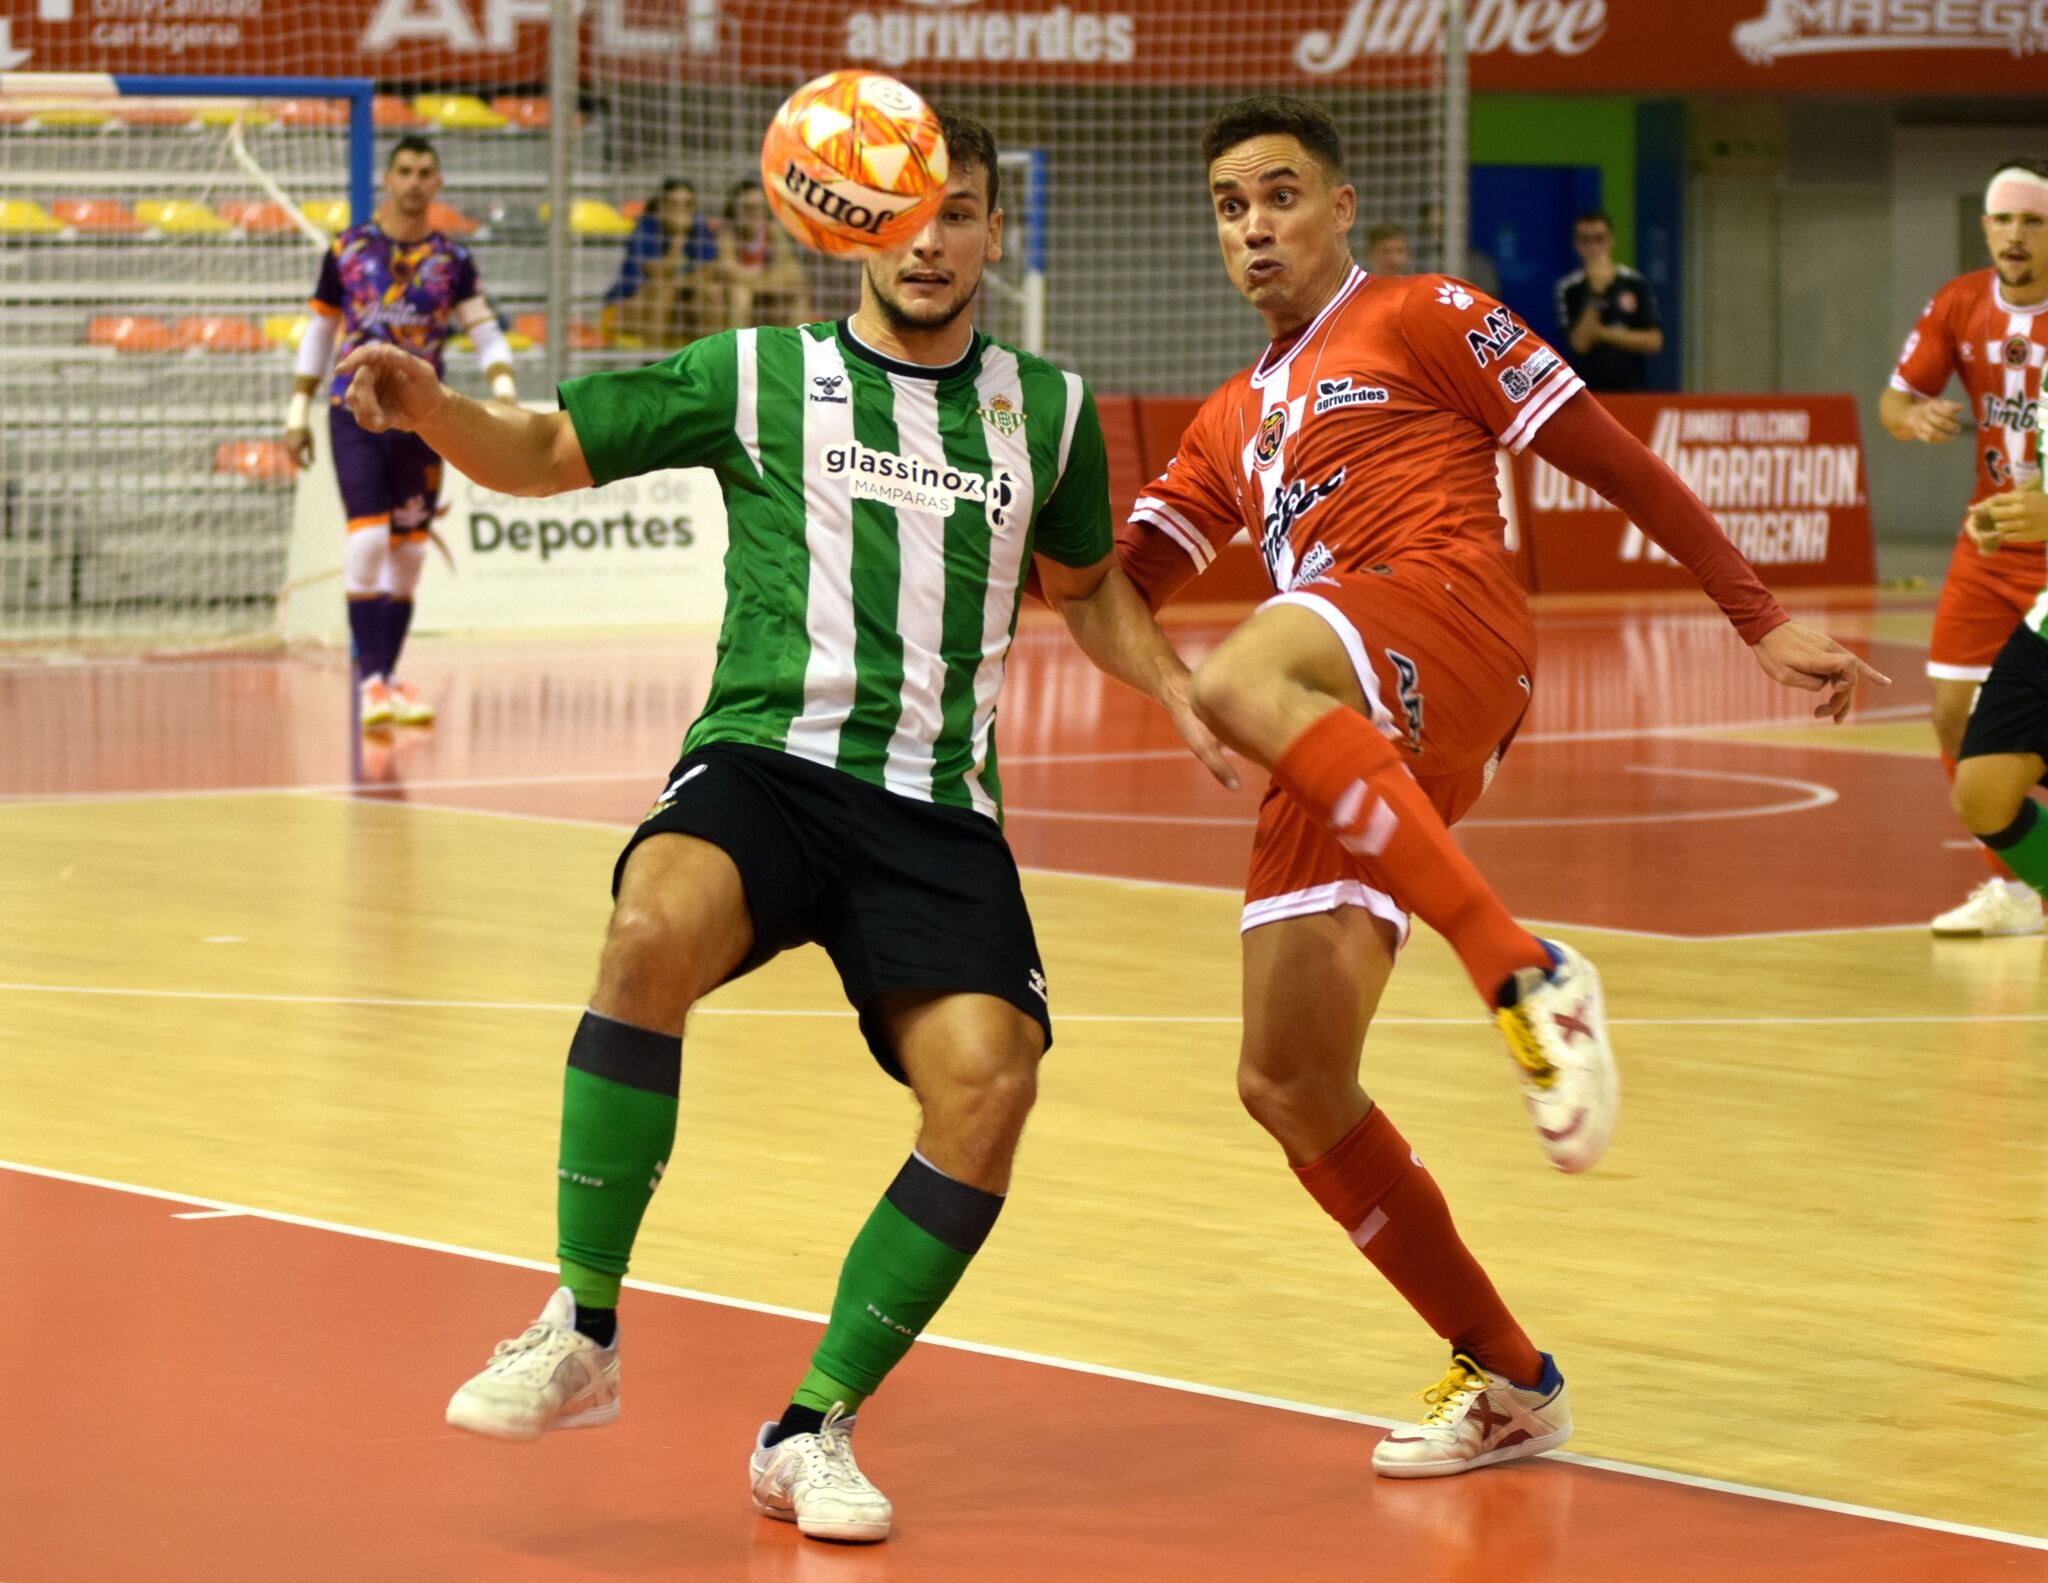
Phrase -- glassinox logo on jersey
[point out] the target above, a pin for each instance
(1830, 27)
(942, 30)
(910, 483)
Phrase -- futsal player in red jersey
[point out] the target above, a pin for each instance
(1989, 329)
(1380, 685)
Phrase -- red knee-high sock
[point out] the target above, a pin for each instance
(1372, 1185)
(1990, 857)
(1350, 777)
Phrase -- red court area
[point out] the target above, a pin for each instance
(235, 1399)
(1613, 809)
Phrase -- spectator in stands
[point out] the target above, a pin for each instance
(656, 299)
(1606, 311)
(756, 277)
(1386, 250)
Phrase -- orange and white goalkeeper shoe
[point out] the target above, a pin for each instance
(1476, 1419)
(1556, 1029)
(408, 708)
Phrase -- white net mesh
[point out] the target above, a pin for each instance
(141, 490)
(1134, 295)
(151, 285)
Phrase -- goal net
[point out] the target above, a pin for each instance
(156, 252)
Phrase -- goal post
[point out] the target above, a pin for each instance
(159, 236)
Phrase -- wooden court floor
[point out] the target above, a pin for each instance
(259, 981)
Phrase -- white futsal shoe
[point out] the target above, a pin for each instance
(1557, 1032)
(551, 1377)
(375, 704)
(408, 708)
(1476, 1419)
(1996, 907)
(813, 1481)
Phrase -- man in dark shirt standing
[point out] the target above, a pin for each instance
(1606, 311)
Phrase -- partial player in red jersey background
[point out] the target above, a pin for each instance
(1380, 685)
(1989, 330)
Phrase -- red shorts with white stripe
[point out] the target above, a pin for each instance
(1446, 687)
(1983, 598)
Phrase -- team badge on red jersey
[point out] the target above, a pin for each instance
(1271, 432)
(2016, 349)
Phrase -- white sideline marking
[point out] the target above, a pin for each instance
(405, 1003)
(985, 1349)
(210, 1214)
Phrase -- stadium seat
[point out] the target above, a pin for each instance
(532, 327)
(584, 336)
(522, 110)
(26, 217)
(448, 219)
(261, 461)
(126, 333)
(391, 113)
(95, 216)
(330, 214)
(593, 217)
(229, 114)
(148, 113)
(180, 217)
(462, 112)
(256, 217)
(57, 120)
(633, 208)
(509, 218)
(310, 112)
(215, 332)
(285, 329)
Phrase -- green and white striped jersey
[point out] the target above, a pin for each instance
(881, 518)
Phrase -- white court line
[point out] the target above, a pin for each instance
(985, 1349)
(1812, 794)
(210, 1214)
(405, 1003)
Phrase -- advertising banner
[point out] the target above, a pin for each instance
(1782, 474)
(1767, 47)
(644, 551)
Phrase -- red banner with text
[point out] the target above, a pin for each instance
(1766, 47)
(1782, 474)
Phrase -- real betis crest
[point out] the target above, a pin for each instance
(999, 415)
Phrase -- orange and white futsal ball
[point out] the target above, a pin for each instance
(853, 162)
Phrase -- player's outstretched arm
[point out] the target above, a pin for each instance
(1116, 631)
(501, 447)
(1909, 417)
(1583, 441)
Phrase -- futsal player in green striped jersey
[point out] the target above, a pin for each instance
(889, 482)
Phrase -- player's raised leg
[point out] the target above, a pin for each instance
(679, 928)
(2003, 904)
(1288, 690)
(972, 1061)
(2004, 754)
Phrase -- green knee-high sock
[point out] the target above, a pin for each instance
(901, 1268)
(2022, 846)
(618, 1125)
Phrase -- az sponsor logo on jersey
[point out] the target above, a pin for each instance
(825, 387)
(1334, 393)
(1271, 432)
(910, 483)
(1518, 379)
(1001, 416)
(1453, 295)
(1295, 501)
(1501, 334)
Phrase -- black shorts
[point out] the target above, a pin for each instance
(2011, 714)
(902, 894)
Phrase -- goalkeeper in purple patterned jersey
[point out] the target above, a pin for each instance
(394, 279)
